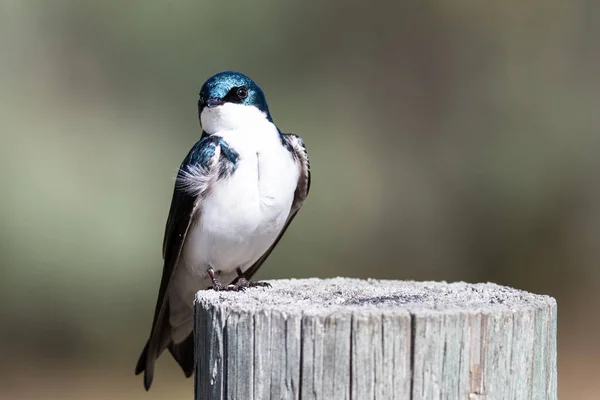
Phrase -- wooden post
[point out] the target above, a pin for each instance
(375, 339)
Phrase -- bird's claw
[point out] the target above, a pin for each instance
(260, 284)
(244, 283)
(218, 287)
(240, 285)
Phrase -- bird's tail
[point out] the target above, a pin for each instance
(146, 367)
(183, 353)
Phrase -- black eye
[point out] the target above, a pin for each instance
(242, 93)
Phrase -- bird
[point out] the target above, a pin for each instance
(235, 194)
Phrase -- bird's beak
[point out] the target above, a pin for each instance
(214, 102)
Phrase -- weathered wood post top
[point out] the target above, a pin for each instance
(375, 339)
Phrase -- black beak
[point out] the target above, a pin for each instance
(213, 102)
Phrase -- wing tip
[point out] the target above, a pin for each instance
(147, 380)
(142, 366)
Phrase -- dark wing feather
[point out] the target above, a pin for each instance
(202, 159)
(296, 146)
(173, 214)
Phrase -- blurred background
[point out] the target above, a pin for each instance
(449, 141)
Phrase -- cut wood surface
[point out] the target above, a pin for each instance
(375, 339)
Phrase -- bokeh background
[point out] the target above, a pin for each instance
(449, 140)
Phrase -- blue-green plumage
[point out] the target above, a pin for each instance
(204, 150)
(224, 86)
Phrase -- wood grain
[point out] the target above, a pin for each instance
(375, 339)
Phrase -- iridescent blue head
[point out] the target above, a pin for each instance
(229, 96)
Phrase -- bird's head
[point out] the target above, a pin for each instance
(230, 100)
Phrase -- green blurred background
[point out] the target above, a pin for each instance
(449, 140)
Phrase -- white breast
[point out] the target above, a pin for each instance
(240, 219)
(244, 214)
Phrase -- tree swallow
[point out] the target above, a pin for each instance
(235, 194)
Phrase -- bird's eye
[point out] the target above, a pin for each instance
(242, 93)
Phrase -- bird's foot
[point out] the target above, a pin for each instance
(243, 283)
(240, 285)
(217, 286)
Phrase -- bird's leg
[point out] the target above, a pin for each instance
(240, 285)
(217, 286)
(243, 283)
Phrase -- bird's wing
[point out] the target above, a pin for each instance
(178, 195)
(296, 146)
(195, 180)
